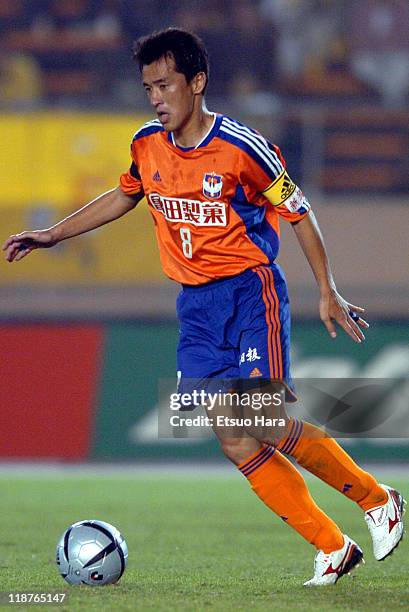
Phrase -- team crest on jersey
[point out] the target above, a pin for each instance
(212, 185)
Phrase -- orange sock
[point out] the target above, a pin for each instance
(321, 455)
(282, 488)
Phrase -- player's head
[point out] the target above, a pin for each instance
(175, 70)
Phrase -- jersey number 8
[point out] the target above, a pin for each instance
(186, 238)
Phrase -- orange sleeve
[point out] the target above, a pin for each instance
(130, 181)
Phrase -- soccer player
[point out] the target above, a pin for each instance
(216, 190)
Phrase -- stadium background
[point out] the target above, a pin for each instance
(88, 328)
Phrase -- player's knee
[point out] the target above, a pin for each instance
(238, 450)
(278, 432)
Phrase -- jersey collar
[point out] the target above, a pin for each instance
(214, 128)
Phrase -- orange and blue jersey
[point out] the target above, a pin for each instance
(216, 207)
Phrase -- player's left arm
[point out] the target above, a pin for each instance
(332, 306)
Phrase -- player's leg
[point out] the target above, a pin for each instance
(205, 351)
(264, 356)
(313, 449)
(323, 456)
(276, 482)
(282, 489)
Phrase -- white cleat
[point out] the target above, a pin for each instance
(385, 524)
(328, 568)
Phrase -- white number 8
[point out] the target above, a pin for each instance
(186, 242)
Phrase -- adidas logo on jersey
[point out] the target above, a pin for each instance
(157, 177)
(255, 373)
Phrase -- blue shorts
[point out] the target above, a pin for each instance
(233, 329)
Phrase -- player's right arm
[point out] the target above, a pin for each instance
(105, 208)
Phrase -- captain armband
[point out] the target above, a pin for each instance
(284, 192)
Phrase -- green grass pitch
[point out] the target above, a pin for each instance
(195, 543)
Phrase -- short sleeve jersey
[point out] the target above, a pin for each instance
(216, 207)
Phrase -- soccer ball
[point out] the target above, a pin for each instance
(91, 552)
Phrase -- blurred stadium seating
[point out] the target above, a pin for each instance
(301, 72)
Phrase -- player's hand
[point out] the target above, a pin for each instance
(333, 307)
(18, 246)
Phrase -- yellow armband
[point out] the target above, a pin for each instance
(282, 188)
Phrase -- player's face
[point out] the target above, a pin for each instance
(169, 92)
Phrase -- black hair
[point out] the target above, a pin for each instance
(187, 50)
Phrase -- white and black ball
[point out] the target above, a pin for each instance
(91, 552)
